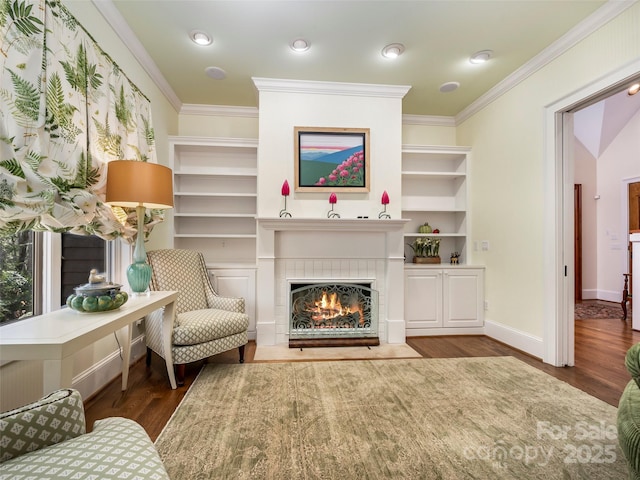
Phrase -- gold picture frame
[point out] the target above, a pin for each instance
(335, 159)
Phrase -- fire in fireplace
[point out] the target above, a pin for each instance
(330, 314)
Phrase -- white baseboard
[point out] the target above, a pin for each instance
(515, 338)
(100, 374)
(432, 332)
(605, 295)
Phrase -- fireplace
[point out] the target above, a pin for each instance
(331, 314)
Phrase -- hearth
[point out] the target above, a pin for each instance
(332, 314)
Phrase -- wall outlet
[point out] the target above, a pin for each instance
(486, 304)
(485, 245)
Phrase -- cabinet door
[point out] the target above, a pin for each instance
(238, 283)
(463, 298)
(423, 298)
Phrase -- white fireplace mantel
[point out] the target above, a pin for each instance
(301, 244)
(332, 224)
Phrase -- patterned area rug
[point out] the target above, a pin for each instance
(592, 310)
(462, 418)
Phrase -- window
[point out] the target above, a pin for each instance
(19, 272)
(38, 271)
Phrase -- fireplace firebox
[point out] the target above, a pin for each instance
(333, 314)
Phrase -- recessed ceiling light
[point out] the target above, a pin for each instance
(200, 38)
(633, 89)
(449, 87)
(393, 50)
(481, 56)
(215, 72)
(300, 45)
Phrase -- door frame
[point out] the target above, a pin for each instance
(558, 329)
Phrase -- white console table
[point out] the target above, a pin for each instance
(54, 337)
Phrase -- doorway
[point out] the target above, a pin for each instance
(559, 233)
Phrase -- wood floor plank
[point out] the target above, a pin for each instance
(600, 347)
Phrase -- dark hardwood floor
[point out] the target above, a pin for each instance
(600, 349)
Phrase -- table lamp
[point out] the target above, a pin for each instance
(139, 185)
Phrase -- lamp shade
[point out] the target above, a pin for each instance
(132, 183)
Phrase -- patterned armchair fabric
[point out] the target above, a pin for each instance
(629, 414)
(206, 323)
(47, 439)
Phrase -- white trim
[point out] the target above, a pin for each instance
(600, 17)
(439, 331)
(517, 339)
(117, 22)
(218, 110)
(330, 88)
(51, 268)
(558, 310)
(428, 120)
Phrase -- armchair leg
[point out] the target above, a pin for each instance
(148, 360)
(241, 350)
(180, 372)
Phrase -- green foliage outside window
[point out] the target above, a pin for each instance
(16, 276)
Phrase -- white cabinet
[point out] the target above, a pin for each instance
(238, 282)
(443, 300)
(434, 190)
(215, 197)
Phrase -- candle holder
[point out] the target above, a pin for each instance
(285, 194)
(333, 199)
(384, 201)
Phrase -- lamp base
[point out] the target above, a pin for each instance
(139, 277)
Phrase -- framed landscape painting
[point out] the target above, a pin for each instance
(331, 159)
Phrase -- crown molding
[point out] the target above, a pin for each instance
(600, 17)
(330, 88)
(428, 120)
(218, 110)
(129, 38)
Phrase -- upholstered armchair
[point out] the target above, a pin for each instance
(205, 324)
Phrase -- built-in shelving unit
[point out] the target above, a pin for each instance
(215, 198)
(434, 190)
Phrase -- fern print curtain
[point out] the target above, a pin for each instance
(67, 110)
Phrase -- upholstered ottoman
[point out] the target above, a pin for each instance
(48, 439)
(629, 414)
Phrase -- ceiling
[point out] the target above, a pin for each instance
(251, 39)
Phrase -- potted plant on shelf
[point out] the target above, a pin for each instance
(425, 250)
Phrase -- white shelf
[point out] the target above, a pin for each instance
(220, 172)
(224, 169)
(213, 235)
(213, 194)
(434, 190)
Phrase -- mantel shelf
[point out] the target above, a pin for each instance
(332, 224)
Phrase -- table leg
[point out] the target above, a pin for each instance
(126, 354)
(57, 374)
(167, 332)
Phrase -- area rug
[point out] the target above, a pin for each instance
(283, 352)
(592, 310)
(463, 418)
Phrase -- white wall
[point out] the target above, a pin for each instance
(281, 111)
(510, 179)
(619, 163)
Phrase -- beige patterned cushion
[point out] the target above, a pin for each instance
(117, 448)
(200, 326)
(57, 417)
(180, 270)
